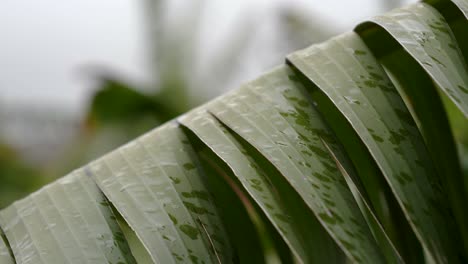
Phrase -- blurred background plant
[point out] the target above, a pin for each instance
(39, 144)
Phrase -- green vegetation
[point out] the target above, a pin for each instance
(352, 151)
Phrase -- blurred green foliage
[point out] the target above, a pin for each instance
(117, 102)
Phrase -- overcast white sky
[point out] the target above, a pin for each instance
(46, 44)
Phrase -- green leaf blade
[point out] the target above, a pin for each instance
(6, 256)
(304, 165)
(260, 186)
(49, 226)
(150, 184)
(425, 34)
(366, 97)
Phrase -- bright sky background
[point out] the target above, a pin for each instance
(46, 45)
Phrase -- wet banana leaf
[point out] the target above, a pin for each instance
(425, 34)
(136, 247)
(428, 109)
(6, 256)
(346, 72)
(291, 143)
(422, 98)
(244, 225)
(374, 187)
(391, 253)
(343, 155)
(68, 221)
(285, 210)
(155, 182)
(456, 15)
(291, 100)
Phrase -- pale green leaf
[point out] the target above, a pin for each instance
(5, 251)
(290, 141)
(391, 253)
(272, 195)
(425, 34)
(292, 102)
(427, 107)
(156, 185)
(346, 72)
(68, 221)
